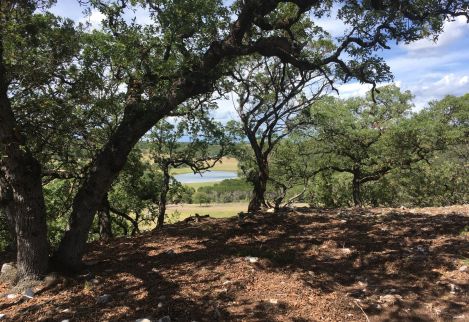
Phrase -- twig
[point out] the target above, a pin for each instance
(366, 316)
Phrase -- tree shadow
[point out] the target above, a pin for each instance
(202, 272)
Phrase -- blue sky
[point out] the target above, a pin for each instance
(430, 70)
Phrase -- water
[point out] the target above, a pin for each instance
(209, 176)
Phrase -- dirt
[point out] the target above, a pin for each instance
(301, 265)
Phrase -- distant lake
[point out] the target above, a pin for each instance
(209, 176)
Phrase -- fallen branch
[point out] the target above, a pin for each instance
(366, 316)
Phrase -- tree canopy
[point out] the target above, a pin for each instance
(74, 101)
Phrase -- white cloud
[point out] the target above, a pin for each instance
(353, 89)
(225, 111)
(95, 19)
(433, 88)
(418, 66)
(452, 31)
(332, 25)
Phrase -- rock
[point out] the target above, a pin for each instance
(273, 301)
(346, 251)
(165, 318)
(421, 249)
(8, 273)
(29, 293)
(160, 305)
(11, 296)
(390, 299)
(102, 299)
(51, 280)
(143, 320)
(95, 281)
(454, 288)
(66, 320)
(8, 268)
(362, 284)
(251, 259)
(2, 316)
(463, 268)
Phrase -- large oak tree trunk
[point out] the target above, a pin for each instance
(103, 172)
(22, 172)
(30, 222)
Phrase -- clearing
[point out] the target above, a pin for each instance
(216, 210)
(225, 164)
(304, 265)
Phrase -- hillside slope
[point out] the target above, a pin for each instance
(305, 265)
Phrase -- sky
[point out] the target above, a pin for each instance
(430, 70)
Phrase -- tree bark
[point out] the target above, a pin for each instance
(22, 172)
(260, 187)
(356, 187)
(163, 196)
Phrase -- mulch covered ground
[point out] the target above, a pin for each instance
(304, 265)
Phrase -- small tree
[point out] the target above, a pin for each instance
(368, 138)
(271, 97)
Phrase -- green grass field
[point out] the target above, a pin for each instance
(216, 210)
(226, 164)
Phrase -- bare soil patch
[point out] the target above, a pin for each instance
(302, 265)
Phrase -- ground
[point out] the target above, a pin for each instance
(301, 265)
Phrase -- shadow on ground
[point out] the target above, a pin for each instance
(305, 265)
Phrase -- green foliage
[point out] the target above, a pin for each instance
(58, 196)
(201, 197)
(135, 191)
(230, 190)
(5, 236)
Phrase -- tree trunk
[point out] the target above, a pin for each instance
(356, 186)
(103, 172)
(163, 196)
(135, 123)
(23, 174)
(260, 187)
